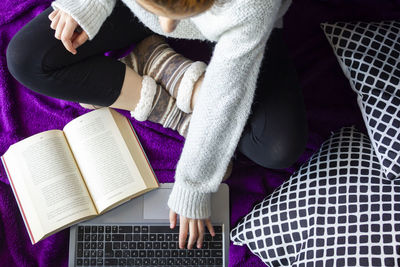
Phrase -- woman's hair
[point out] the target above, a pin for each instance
(184, 6)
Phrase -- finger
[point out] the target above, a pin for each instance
(52, 14)
(80, 39)
(172, 219)
(67, 35)
(192, 233)
(200, 228)
(210, 227)
(55, 21)
(183, 230)
(60, 27)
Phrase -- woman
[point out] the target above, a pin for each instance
(156, 84)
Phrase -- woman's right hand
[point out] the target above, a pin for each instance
(66, 30)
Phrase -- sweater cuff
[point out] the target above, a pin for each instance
(190, 204)
(89, 14)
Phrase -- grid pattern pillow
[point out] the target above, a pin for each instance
(338, 209)
(369, 56)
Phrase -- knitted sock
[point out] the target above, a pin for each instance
(156, 105)
(177, 74)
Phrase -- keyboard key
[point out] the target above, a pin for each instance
(94, 229)
(218, 228)
(125, 229)
(164, 245)
(132, 245)
(168, 237)
(156, 245)
(118, 253)
(166, 253)
(87, 229)
(154, 261)
(126, 253)
(81, 229)
(108, 229)
(190, 253)
(150, 253)
(152, 237)
(79, 262)
(176, 237)
(142, 253)
(109, 262)
(100, 245)
(117, 237)
(207, 237)
(128, 237)
(140, 245)
(101, 229)
(170, 262)
(108, 237)
(178, 261)
(136, 237)
(124, 245)
(218, 261)
(80, 237)
(93, 253)
(160, 237)
(217, 237)
(145, 229)
(158, 253)
(134, 253)
(100, 237)
(206, 253)
(122, 262)
(202, 261)
(186, 261)
(131, 262)
(136, 229)
(93, 245)
(100, 262)
(210, 261)
(100, 253)
(205, 245)
(86, 262)
(216, 253)
(215, 245)
(174, 253)
(146, 262)
(182, 253)
(162, 262)
(138, 262)
(114, 229)
(163, 229)
(198, 253)
(93, 262)
(194, 261)
(144, 237)
(86, 253)
(148, 245)
(172, 245)
(87, 237)
(116, 245)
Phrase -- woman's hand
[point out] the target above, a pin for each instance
(195, 228)
(66, 30)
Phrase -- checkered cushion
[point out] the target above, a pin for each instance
(369, 56)
(338, 209)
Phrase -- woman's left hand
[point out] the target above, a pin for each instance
(195, 227)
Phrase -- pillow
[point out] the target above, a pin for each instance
(338, 209)
(369, 56)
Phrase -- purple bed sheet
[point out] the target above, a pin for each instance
(329, 100)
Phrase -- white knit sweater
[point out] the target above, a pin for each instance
(240, 29)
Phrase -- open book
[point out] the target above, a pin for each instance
(62, 177)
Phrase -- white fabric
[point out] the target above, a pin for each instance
(185, 90)
(143, 107)
(240, 29)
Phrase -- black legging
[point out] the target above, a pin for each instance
(275, 134)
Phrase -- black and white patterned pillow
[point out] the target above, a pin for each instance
(369, 56)
(338, 209)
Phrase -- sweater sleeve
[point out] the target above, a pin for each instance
(89, 14)
(220, 114)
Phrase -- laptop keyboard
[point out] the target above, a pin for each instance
(143, 245)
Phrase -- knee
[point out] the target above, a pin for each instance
(20, 59)
(282, 151)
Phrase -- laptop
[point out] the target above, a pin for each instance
(137, 233)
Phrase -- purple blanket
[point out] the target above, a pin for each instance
(330, 105)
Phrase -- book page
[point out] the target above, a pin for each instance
(48, 183)
(103, 158)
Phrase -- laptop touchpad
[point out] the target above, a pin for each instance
(155, 204)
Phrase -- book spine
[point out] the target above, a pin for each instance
(147, 159)
(18, 201)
